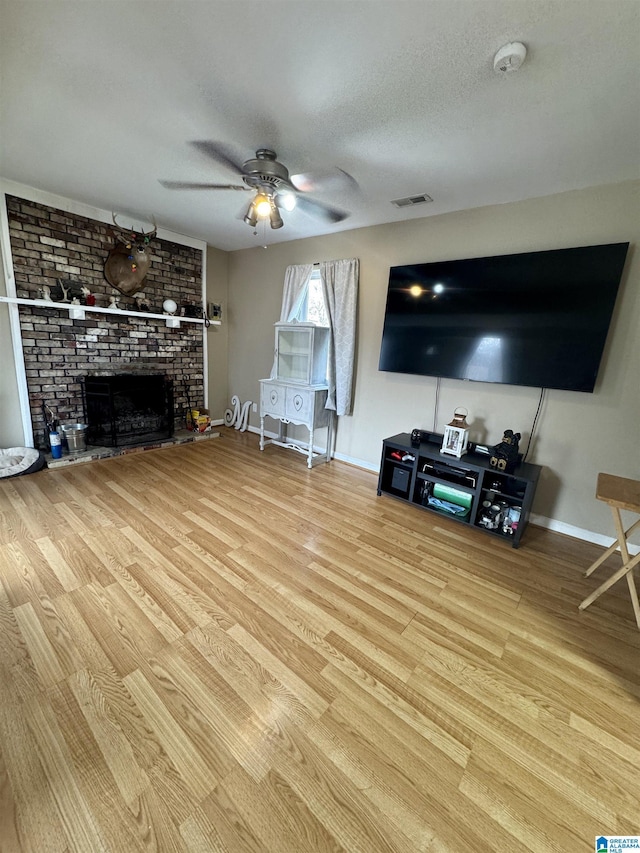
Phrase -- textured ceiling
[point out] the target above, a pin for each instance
(100, 100)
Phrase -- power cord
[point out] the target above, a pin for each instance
(534, 424)
(435, 406)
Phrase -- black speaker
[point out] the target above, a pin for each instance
(422, 435)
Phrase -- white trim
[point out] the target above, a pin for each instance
(359, 463)
(77, 312)
(96, 213)
(14, 321)
(205, 340)
(578, 532)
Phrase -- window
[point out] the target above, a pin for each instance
(312, 307)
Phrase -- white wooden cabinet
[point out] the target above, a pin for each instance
(301, 353)
(290, 402)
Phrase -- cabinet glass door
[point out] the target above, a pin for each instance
(294, 352)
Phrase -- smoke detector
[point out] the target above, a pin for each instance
(509, 58)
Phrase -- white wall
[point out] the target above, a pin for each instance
(217, 336)
(578, 435)
(11, 432)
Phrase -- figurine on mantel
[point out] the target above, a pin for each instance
(44, 292)
(113, 302)
(140, 304)
(65, 291)
(89, 298)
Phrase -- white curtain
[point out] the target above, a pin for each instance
(296, 281)
(340, 289)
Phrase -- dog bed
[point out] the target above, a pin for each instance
(20, 460)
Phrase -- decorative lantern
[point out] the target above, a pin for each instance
(456, 434)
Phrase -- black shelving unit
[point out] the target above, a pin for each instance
(492, 501)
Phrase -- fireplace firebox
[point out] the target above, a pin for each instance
(126, 409)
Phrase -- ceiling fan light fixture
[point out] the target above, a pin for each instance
(251, 216)
(274, 217)
(287, 200)
(272, 187)
(262, 204)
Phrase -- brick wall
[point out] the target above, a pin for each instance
(49, 244)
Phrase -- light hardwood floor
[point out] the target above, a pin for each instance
(209, 648)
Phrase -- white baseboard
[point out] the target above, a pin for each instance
(578, 532)
(359, 463)
(534, 518)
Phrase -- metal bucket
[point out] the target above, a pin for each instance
(76, 437)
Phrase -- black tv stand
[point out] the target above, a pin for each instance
(477, 494)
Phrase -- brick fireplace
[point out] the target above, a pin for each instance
(48, 244)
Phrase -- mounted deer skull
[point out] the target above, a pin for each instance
(128, 262)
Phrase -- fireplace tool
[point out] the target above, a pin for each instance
(189, 417)
(50, 420)
(51, 424)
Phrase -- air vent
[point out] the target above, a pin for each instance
(411, 200)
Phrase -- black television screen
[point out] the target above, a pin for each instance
(538, 318)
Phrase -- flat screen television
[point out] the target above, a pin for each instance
(538, 318)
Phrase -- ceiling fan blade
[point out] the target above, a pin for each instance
(220, 153)
(335, 179)
(321, 210)
(187, 185)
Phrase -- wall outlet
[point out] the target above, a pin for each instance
(255, 407)
(214, 311)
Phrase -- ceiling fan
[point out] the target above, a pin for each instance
(274, 189)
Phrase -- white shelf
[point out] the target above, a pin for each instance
(78, 312)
